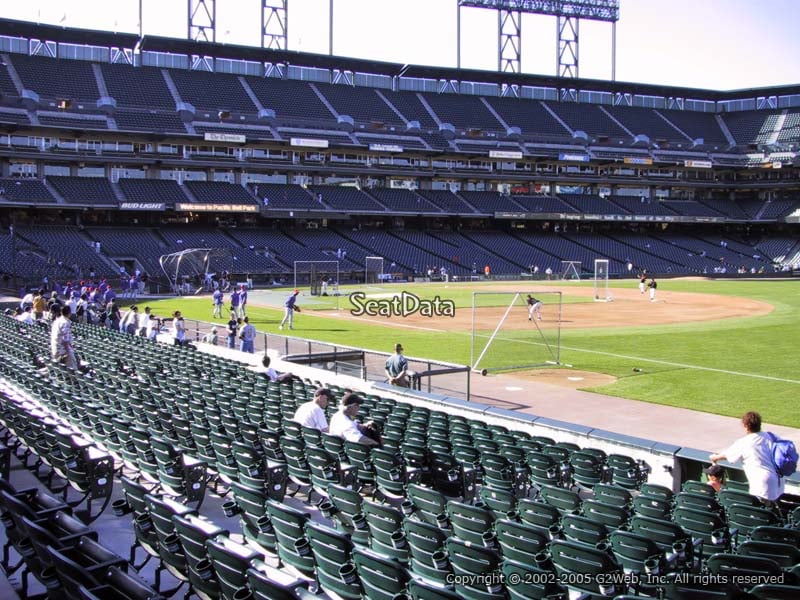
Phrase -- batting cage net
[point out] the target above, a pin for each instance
(515, 330)
(186, 270)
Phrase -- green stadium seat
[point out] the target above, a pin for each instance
(230, 562)
(332, 552)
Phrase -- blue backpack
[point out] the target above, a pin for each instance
(784, 455)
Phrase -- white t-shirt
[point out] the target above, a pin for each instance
(755, 452)
(345, 427)
(310, 414)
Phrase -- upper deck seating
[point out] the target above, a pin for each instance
(590, 204)
(463, 112)
(635, 206)
(778, 208)
(72, 121)
(691, 208)
(346, 198)
(7, 87)
(285, 196)
(212, 91)
(148, 120)
(140, 87)
(588, 118)
(790, 132)
(697, 125)
(530, 116)
(544, 204)
(24, 189)
(291, 100)
(153, 190)
(363, 104)
(447, 201)
(219, 192)
(84, 190)
(646, 121)
(751, 127)
(57, 78)
(412, 109)
(403, 201)
(489, 202)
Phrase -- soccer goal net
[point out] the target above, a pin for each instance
(373, 269)
(321, 277)
(515, 330)
(601, 291)
(570, 269)
(186, 270)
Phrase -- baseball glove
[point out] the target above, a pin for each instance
(297, 309)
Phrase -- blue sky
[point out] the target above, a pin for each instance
(716, 44)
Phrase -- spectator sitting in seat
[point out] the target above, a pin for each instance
(344, 425)
(273, 375)
(211, 337)
(312, 413)
(716, 476)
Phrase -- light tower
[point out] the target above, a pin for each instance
(274, 24)
(568, 13)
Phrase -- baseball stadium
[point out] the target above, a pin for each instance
(281, 325)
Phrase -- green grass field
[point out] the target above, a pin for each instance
(723, 367)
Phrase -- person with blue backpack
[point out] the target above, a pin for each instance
(757, 451)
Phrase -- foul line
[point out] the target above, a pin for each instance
(683, 365)
(634, 358)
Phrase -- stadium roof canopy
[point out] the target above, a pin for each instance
(150, 43)
(66, 35)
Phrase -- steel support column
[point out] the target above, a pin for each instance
(567, 47)
(274, 24)
(509, 35)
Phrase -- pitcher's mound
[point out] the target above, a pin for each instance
(567, 377)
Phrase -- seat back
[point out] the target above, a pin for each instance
(746, 518)
(786, 555)
(632, 550)
(193, 533)
(612, 495)
(707, 526)
(538, 513)
(583, 529)
(469, 523)
(566, 501)
(230, 562)
(519, 541)
(427, 558)
(652, 506)
(535, 583)
(381, 578)
(572, 558)
(734, 565)
(470, 559)
(289, 525)
(600, 512)
(269, 583)
(429, 503)
(332, 555)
